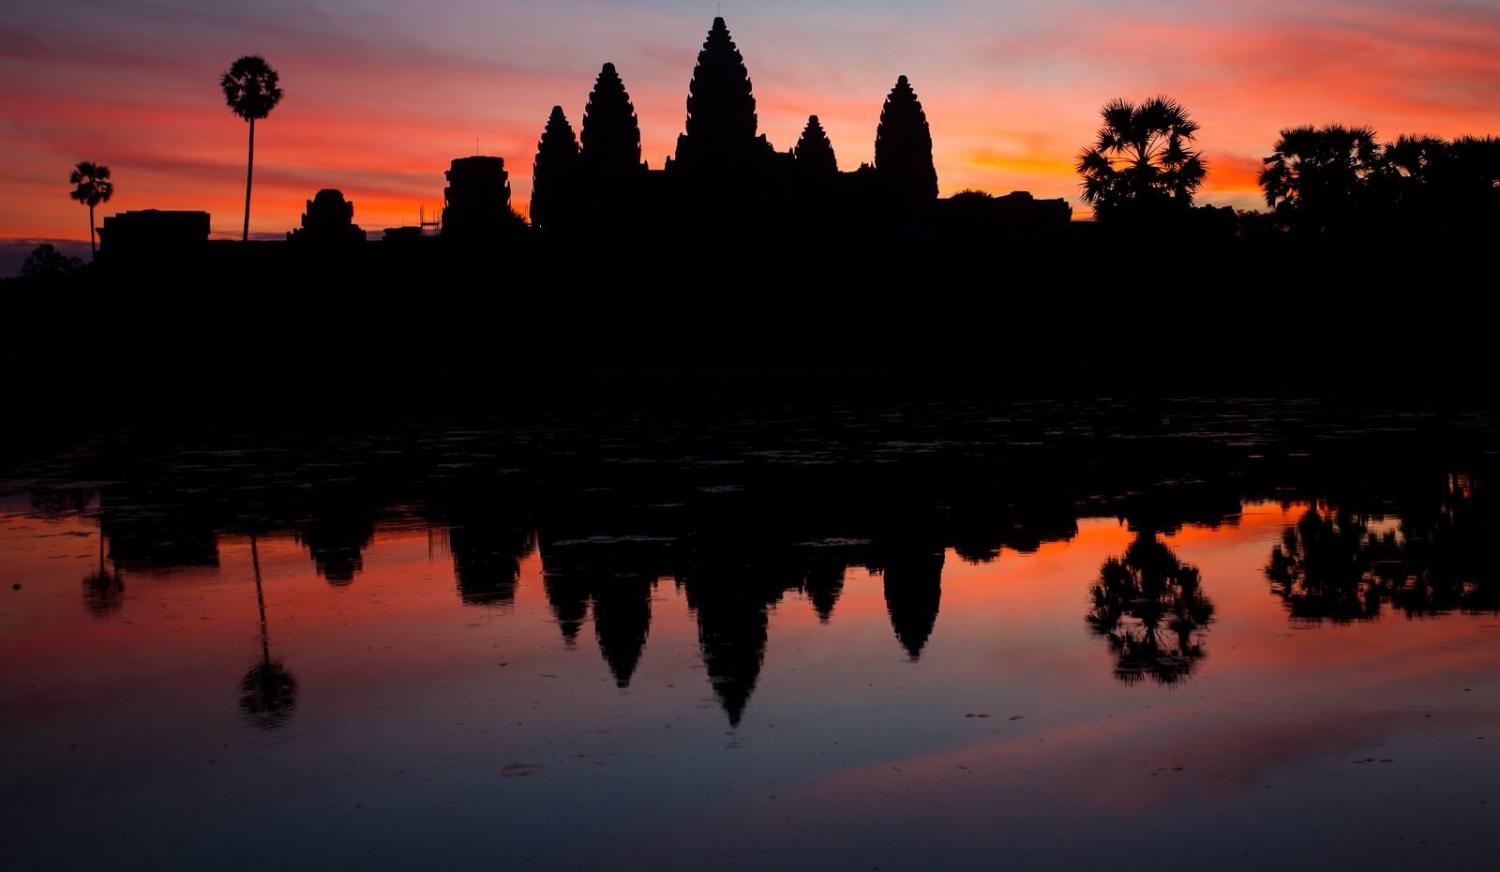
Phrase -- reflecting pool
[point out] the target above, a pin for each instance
(1037, 635)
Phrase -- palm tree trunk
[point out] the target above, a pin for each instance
(260, 601)
(93, 249)
(249, 172)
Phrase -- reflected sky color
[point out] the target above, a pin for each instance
(430, 732)
(381, 95)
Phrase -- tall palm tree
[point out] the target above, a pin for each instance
(1141, 159)
(91, 186)
(103, 591)
(251, 88)
(268, 692)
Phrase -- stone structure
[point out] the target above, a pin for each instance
(328, 221)
(152, 234)
(476, 203)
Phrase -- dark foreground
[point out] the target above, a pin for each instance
(680, 623)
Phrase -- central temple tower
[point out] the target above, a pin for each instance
(721, 120)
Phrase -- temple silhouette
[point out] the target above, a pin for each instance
(747, 513)
(726, 177)
(726, 182)
(773, 251)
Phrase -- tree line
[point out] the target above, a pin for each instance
(1318, 181)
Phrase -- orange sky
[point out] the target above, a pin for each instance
(381, 95)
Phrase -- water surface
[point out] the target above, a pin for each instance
(1232, 635)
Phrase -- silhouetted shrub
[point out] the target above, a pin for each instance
(46, 262)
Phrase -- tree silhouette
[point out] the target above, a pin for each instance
(1432, 184)
(46, 262)
(1450, 553)
(721, 120)
(1151, 609)
(1141, 161)
(91, 186)
(1470, 181)
(103, 591)
(1414, 157)
(268, 692)
(903, 148)
(554, 175)
(1331, 566)
(1407, 182)
(1318, 178)
(814, 152)
(251, 88)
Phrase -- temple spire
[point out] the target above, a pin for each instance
(611, 174)
(554, 175)
(611, 133)
(721, 120)
(903, 148)
(814, 153)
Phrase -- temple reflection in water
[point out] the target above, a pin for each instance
(737, 518)
(880, 633)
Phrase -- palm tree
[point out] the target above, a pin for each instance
(1410, 175)
(1150, 607)
(268, 692)
(103, 591)
(1319, 177)
(91, 186)
(1435, 184)
(251, 90)
(1141, 160)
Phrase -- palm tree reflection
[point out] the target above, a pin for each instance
(1150, 608)
(103, 590)
(268, 692)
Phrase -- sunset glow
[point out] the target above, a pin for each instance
(380, 96)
